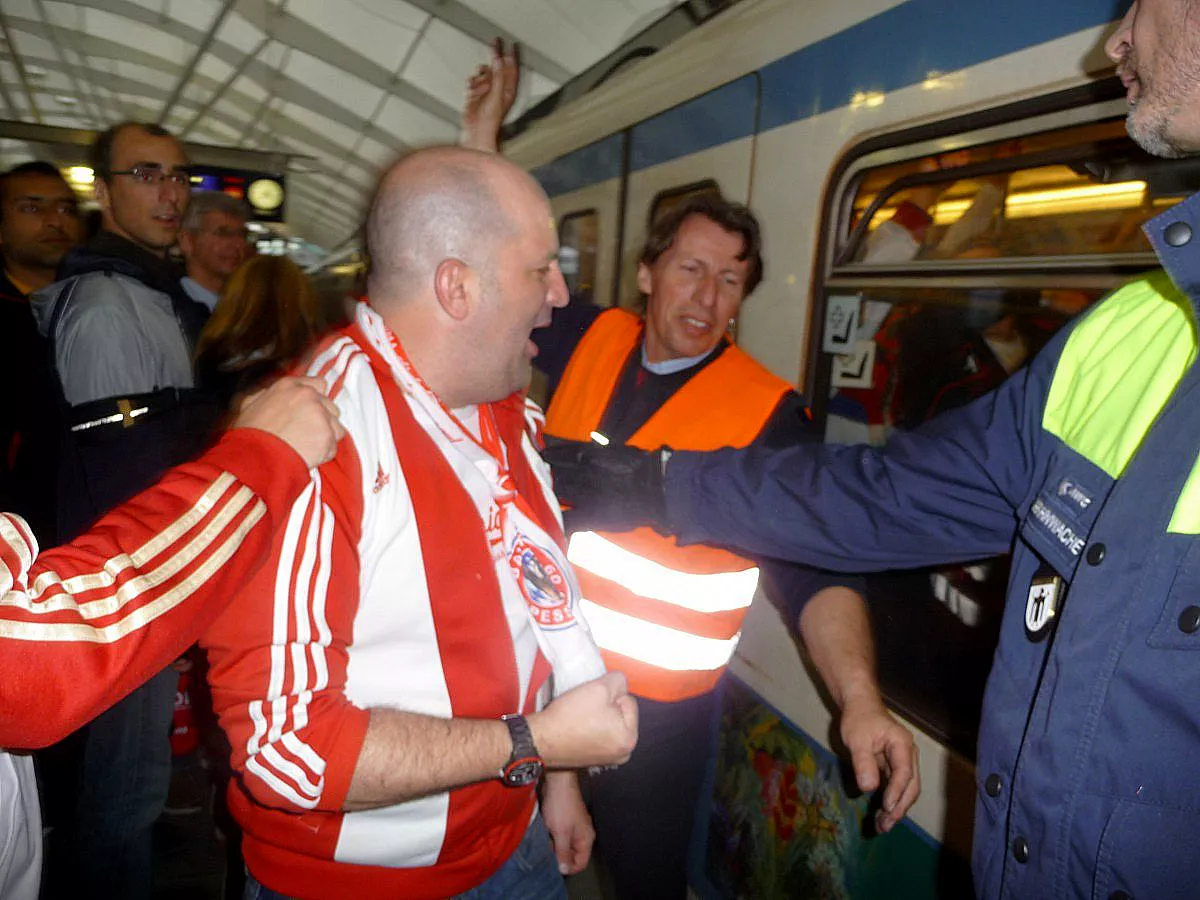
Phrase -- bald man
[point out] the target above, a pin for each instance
(382, 679)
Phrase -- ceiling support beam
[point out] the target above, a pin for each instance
(462, 17)
(206, 154)
(256, 71)
(201, 49)
(225, 85)
(57, 41)
(19, 65)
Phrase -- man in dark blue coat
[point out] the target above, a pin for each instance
(1085, 465)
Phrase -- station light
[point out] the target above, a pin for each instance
(80, 175)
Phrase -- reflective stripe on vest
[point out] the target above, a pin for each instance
(658, 645)
(667, 616)
(714, 592)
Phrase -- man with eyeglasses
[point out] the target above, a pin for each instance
(39, 223)
(122, 332)
(213, 243)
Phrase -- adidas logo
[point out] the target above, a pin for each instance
(381, 479)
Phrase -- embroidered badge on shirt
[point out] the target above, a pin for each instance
(546, 588)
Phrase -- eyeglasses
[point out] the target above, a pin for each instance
(154, 174)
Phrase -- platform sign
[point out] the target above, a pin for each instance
(264, 192)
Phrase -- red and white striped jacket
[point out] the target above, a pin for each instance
(82, 625)
(382, 591)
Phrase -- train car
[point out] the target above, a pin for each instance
(941, 186)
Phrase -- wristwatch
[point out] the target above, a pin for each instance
(524, 766)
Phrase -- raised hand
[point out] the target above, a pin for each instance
(491, 92)
(297, 412)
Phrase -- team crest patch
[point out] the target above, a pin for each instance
(1041, 605)
(546, 587)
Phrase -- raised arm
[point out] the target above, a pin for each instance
(948, 491)
(945, 492)
(491, 92)
(83, 624)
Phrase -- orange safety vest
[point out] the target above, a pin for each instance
(667, 616)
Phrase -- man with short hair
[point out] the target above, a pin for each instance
(669, 617)
(1084, 465)
(39, 223)
(122, 331)
(212, 239)
(382, 679)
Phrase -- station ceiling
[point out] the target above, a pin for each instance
(341, 86)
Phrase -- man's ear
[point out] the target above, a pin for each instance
(645, 279)
(100, 192)
(185, 242)
(454, 285)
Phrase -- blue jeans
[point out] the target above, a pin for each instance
(107, 848)
(531, 873)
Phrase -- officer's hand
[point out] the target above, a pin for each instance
(297, 411)
(881, 748)
(612, 487)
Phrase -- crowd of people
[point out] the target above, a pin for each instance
(148, 338)
(431, 684)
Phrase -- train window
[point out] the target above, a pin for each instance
(1072, 192)
(577, 235)
(665, 201)
(947, 273)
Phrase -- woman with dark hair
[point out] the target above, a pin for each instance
(267, 317)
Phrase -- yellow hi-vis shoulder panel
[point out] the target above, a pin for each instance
(1119, 369)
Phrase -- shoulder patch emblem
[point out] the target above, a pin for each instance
(546, 588)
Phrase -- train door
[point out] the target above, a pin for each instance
(703, 144)
(585, 188)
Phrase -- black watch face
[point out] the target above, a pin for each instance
(523, 772)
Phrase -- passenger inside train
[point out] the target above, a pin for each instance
(691, 468)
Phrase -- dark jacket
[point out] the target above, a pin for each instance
(28, 417)
(122, 333)
(1085, 463)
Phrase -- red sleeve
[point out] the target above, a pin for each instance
(278, 656)
(84, 624)
(913, 219)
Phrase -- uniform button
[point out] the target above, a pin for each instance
(993, 785)
(1021, 850)
(1119, 895)
(1178, 233)
(1189, 620)
(1096, 554)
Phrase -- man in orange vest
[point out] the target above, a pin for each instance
(667, 616)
